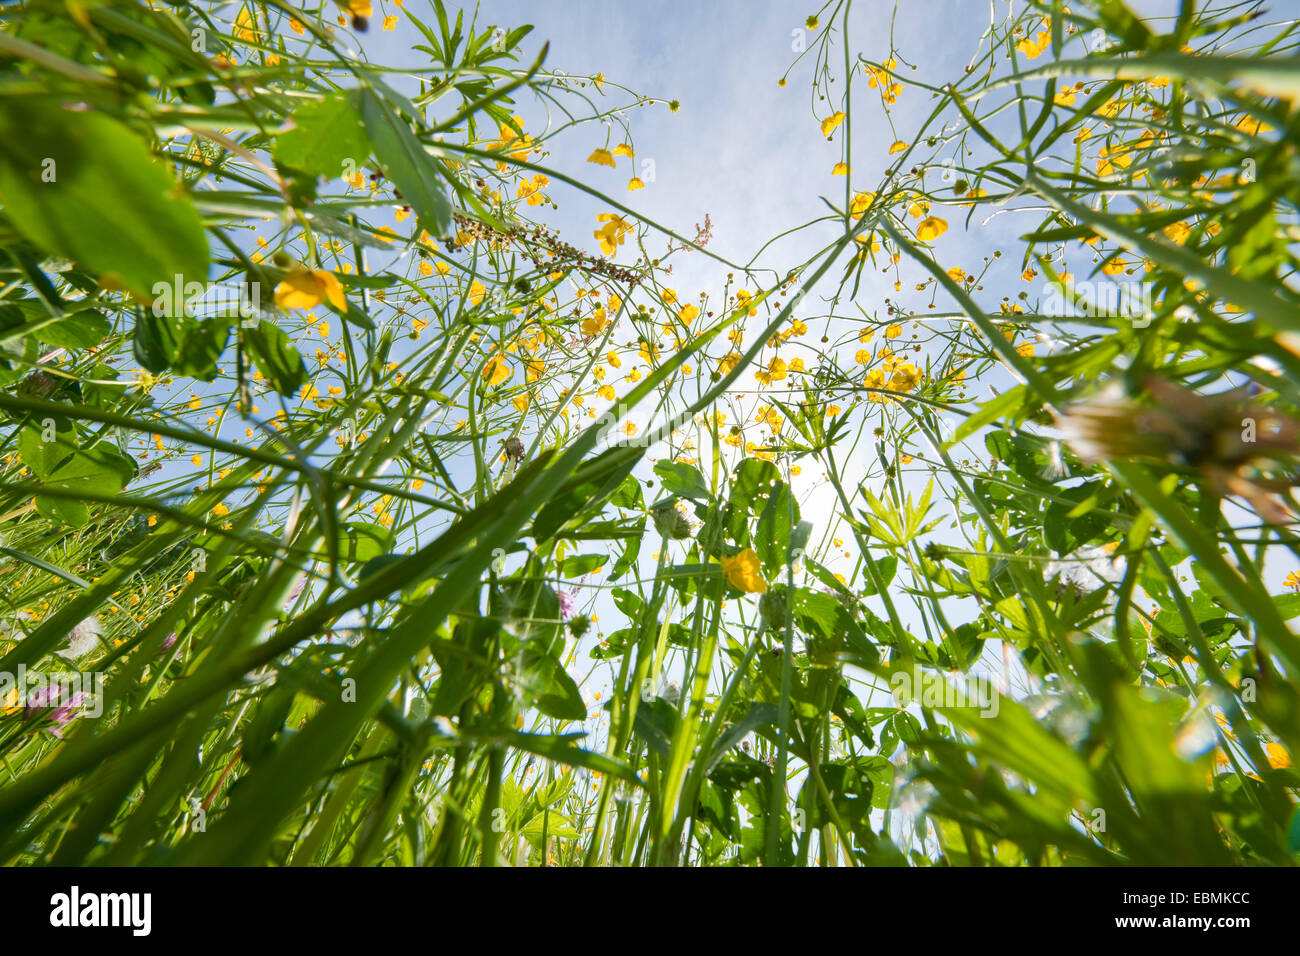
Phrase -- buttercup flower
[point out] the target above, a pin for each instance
(932, 227)
(830, 122)
(744, 572)
(306, 289)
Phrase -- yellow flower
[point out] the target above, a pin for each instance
(893, 331)
(743, 572)
(305, 289)
(898, 147)
(1277, 756)
(623, 149)
(840, 169)
(612, 233)
(774, 372)
(1033, 48)
(688, 314)
(931, 227)
(601, 157)
(497, 371)
(635, 183)
(830, 122)
(1293, 580)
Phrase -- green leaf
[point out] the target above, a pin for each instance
(407, 164)
(326, 136)
(276, 357)
(580, 564)
(683, 480)
(366, 540)
(83, 186)
(82, 330)
(557, 694)
(50, 448)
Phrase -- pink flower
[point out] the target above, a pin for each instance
(61, 714)
(567, 600)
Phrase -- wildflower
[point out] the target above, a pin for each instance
(82, 639)
(601, 157)
(60, 713)
(1032, 49)
(568, 599)
(930, 228)
(635, 183)
(1278, 758)
(1225, 439)
(829, 123)
(775, 372)
(612, 233)
(743, 572)
(496, 370)
(306, 289)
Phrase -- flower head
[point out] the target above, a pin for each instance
(306, 289)
(744, 572)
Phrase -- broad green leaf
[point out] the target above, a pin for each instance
(406, 162)
(276, 356)
(81, 185)
(327, 138)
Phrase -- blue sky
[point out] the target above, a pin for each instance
(741, 149)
